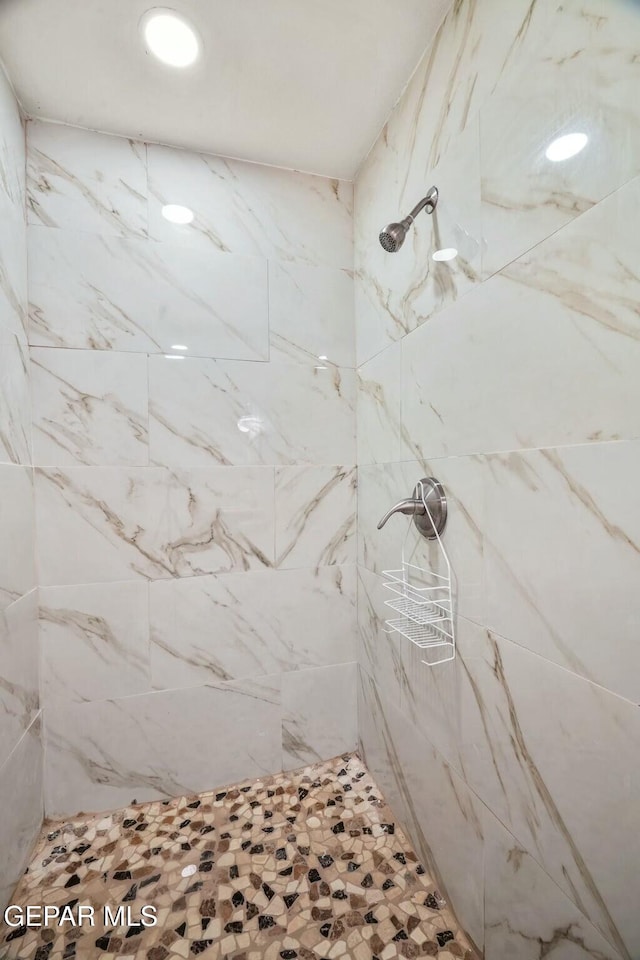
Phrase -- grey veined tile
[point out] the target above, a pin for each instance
(252, 623)
(112, 293)
(525, 912)
(103, 755)
(85, 180)
(250, 208)
(207, 412)
(319, 714)
(121, 523)
(553, 756)
(94, 641)
(89, 408)
(315, 516)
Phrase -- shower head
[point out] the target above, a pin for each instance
(394, 234)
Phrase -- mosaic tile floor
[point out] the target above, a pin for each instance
(303, 865)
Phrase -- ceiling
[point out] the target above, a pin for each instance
(299, 84)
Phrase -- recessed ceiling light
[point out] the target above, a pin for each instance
(447, 253)
(173, 356)
(178, 346)
(170, 37)
(176, 213)
(562, 148)
(323, 357)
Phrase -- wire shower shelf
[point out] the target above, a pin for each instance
(423, 600)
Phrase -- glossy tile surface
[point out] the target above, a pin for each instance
(19, 690)
(21, 752)
(526, 912)
(206, 412)
(250, 624)
(510, 374)
(311, 314)
(89, 408)
(94, 763)
(318, 713)
(68, 186)
(152, 522)
(305, 865)
(195, 456)
(94, 641)
(22, 806)
(110, 293)
(252, 209)
(315, 515)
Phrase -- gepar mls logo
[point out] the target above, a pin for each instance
(39, 915)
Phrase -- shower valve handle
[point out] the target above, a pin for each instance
(412, 507)
(429, 522)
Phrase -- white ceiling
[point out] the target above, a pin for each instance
(295, 83)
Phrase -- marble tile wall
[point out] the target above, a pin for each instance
(511, 374)
(20, 717)
(194, 394)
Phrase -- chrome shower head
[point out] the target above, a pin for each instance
(394, 234)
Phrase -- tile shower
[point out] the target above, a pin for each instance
(206, 610)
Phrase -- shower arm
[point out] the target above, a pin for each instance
(430, 201)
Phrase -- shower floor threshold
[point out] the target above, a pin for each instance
(302, 865)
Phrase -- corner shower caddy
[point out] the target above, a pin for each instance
(422, 597)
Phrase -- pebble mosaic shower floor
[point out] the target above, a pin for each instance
(303, 865)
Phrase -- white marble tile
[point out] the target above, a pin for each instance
(250, 624)
(110, 293)
(581, 78)
(22, 808)
(526, 914)
(94, 641)
(85, 180)
(102, 755)
(380, 486)
(311, 314)
(14, 297)
(319, 714)
(15, 404)
(89, 408)
(379, 418)
(460, 69)
(373, 738)
(100, 524)
(441, 815)
(482, 376)
(122, 523)
(19, 679)
(222, 520)
(206, 412)
(380, 654)
(554, 758)
(12, 152)
(315, 516)
(251, 208)
(563, 558)
(17, 570)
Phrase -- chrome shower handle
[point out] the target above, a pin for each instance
(412, 507)
(430, 521)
